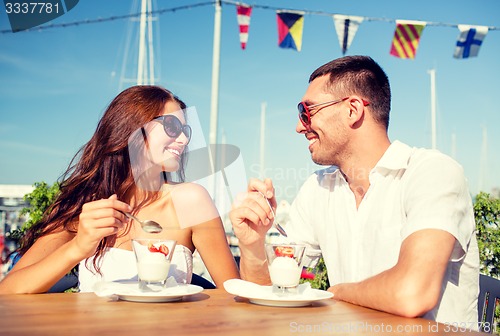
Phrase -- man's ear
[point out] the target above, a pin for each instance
(356, 111)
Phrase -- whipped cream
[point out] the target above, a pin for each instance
(285, 272)
(154, 267)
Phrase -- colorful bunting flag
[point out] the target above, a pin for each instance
(290, 26)
(243, 15)
(346, 27)
(469, 40)
(406, 38)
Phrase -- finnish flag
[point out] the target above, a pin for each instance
(469, 40)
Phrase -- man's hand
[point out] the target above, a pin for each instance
(252, 217)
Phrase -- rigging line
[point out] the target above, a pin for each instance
(111, 18)
(365, 18)
(228, 2)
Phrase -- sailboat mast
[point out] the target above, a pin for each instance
(142, 44)
(262, 137)
(454, 145)
(150, 45)
(432, 73)
(483, 163)
(214, 105)
(145, 74)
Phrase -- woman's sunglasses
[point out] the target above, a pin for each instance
(173, 126)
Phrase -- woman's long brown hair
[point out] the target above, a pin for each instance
(102, 167)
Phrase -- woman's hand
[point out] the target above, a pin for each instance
(99, 219)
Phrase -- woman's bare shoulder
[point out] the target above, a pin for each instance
(190, 192)
(193, 205)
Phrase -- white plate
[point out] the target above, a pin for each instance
(129, 291)
(263, 295)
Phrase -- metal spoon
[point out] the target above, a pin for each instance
(276, 224)
(147, 225)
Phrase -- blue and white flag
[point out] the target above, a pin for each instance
(346, 27)
(469, 41)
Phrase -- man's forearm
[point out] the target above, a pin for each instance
(389, 292)
(253, 266)
(368, 294)
(413, 286)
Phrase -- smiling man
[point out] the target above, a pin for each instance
(394, 223)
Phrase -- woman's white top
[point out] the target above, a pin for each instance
(119, 264)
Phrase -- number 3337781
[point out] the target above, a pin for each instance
(31, 7)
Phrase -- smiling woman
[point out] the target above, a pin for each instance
(126, 166)
(156, 149)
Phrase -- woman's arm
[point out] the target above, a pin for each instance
(48, 260)
(55, 254)
(210, 241)
(195, 209)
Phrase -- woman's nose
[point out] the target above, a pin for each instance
(183, 139)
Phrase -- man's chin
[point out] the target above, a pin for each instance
(320, 161)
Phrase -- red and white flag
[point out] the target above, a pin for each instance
(244, 12)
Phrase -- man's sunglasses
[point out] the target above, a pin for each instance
(173, 126)
(305, 111)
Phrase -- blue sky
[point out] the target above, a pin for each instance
(56, 83)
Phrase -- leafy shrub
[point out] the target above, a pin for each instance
(320, 280)
(39, 200)
(487, 215)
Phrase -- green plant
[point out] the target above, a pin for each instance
(320, 280)
(39, 200)
(487, 216)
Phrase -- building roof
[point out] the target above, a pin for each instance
(15, 190)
